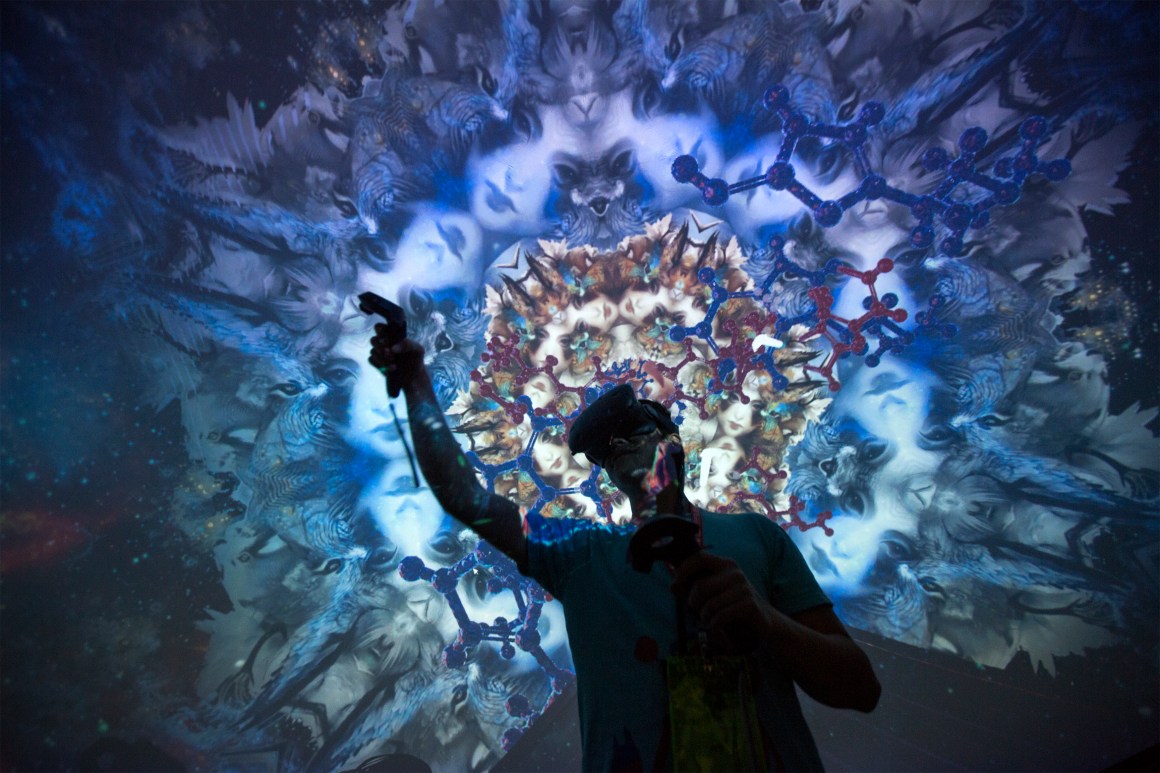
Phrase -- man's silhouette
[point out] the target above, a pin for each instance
(741, 589)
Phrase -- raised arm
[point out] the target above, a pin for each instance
(441, 460)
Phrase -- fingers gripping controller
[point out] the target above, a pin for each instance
(390, 346)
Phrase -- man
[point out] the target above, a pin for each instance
(747, 589)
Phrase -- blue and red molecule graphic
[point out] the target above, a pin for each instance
(850, 336)
(942, 208)
(520, 632)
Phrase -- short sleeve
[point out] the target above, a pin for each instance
(556, 547)
(792, 587)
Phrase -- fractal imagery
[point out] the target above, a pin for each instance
(922, 338)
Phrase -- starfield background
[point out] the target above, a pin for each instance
(893, 265)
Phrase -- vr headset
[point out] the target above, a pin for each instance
(616, 413)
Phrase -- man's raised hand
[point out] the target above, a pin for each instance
(401, 363)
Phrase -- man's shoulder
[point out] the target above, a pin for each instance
(745, 530)
(706, 512)
(769, 557)
(744, 519)
(559, 547)
(551, 531)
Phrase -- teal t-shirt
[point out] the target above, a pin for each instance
(622, 625)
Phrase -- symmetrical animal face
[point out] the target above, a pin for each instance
(598, 199)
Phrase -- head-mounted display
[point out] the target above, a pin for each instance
(616, 413)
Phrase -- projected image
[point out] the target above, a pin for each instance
(847, 244)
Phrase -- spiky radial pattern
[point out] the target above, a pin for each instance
(577, 321)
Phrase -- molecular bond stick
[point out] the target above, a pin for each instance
(519, 632)
(1003, 188)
